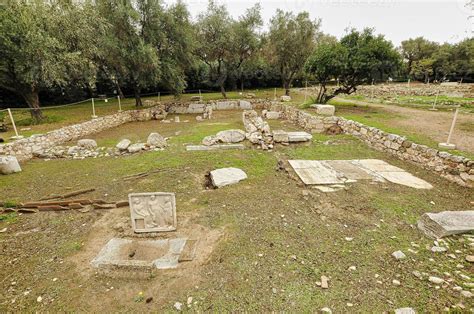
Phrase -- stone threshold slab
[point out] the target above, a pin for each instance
(214, 147)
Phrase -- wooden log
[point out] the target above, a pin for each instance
(103, 206)
(52, 208)
(122, 204)
(79, 192)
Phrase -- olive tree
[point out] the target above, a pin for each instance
(356, 59)
(45, 44)
(223, 43)
(291, 39)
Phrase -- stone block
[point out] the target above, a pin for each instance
(438, 225)
(285, 98)
(135, 148)
(272, 115)
(9, 164)
(226, 105)
(155, 139)
(141, 255)
(196, 108)
(245, 105)
(214, 147)
(123, 144)
(325, 110)
(153, 212)
(280, 136)
(299, 137)
(446, 146)
(230, 136)
(87, 144)
(226, 176)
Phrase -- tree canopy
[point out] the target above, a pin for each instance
(358, 58)
(83, 48)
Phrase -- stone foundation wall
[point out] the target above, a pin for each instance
(23, 148)
(452, 167)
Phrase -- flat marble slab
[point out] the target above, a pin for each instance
(144, 254)
(316, 172)
(328, 172)
(214, 147)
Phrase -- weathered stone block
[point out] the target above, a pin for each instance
(9, 164)
(326, 110)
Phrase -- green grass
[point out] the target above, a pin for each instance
(266, 214)
(9, 218)
(443, 103)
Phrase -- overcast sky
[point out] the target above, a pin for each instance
(437, 20)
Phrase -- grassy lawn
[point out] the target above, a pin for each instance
(443, 103)
(278, 236)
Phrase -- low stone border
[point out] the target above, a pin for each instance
(452, 167)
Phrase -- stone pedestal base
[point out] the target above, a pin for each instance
(446, 146)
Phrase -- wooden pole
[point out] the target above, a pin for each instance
(306, 91)
(93, 109)
(159, 96)
(436, 100)
(120, 105)
(452, 125)
(275, 94)
(13, 122)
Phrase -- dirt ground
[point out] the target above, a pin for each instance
(263, 243)
(433, 124)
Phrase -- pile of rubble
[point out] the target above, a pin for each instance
(87, 148)
(258, 130)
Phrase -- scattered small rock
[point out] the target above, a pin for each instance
(438, 249)
(405, 310)
(178, 306)
(326, 310)
(399, 255)
(470, 258)
(436, 280)
(466, 294)
(324, 282)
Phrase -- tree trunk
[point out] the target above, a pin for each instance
(224, 94)
(286, 86)
(32, 99)
(138, 100)
(119, 90)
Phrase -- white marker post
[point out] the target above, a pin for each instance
(275, 94)
(17, 136)
(93, 109)
(120, 105)
(435, 101)
(306, 91)
(159, 96)
(448, 144)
